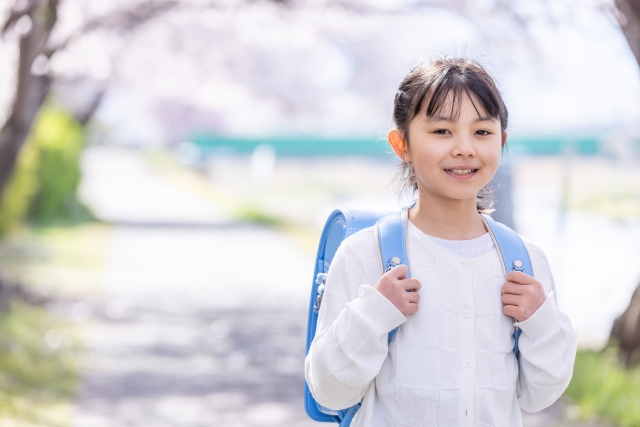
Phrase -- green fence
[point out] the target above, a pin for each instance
(314, 146)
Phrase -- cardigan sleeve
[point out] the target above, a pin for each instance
(350, 344)
(547, 346)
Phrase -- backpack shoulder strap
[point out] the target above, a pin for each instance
(513, 255)
(391, 233)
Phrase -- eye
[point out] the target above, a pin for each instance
(483, 132)
(441, 131)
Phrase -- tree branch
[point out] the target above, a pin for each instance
(16, 14)
(124, 20)
(627, 12)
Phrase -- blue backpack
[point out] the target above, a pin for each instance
(391, 235)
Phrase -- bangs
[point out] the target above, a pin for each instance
(446, 92)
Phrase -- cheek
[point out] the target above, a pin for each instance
(491, 154)
(434, 151)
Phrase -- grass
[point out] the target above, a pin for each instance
(65, 260)
(254, 215)
(38, 377)
(39, 373)
(596, 185)
(601, 388)
(616, 203)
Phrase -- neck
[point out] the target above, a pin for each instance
(450, 219)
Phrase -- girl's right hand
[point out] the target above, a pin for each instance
(401, 290)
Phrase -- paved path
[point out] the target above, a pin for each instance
(198, 327)
(120, 187)
(158, 365)
(201, 321)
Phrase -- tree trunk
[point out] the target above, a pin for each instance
(31, 90)
(628, 15)
(625, 331)
(87, 113)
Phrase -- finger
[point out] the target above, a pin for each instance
(413, 297)
(399, 271)
(518, 277)
(512, 311)
(513, 288)
(411, 309)
(510, 299)
(411, 284)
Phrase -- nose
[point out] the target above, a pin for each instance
(463, 147)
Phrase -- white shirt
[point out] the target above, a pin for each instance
(451, 363)
(467, 248)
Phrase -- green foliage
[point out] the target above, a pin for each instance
(602, 388)
(59, 140)
(47, 173)
(21, 188)
(36, 380)
(251, 214)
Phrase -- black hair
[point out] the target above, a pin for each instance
(436, 81)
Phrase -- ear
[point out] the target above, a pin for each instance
(399, 145)
(504, 138)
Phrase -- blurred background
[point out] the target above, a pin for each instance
(166, 168)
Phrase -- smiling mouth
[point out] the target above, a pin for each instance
(461, 171)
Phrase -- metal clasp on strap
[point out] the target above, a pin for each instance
(321, 280)
(518, 266)
(393, 262)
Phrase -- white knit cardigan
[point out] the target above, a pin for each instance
(451, 363)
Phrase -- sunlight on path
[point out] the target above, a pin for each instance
(199, 323)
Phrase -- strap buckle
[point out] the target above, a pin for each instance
(321, 280)
(393, 262)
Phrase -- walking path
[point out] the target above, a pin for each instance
(201, 321)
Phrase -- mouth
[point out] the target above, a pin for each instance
(461, 172)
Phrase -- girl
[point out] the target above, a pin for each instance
(451, 362)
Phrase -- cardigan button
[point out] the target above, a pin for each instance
(467, 263)
(468, 363)
(466, 313)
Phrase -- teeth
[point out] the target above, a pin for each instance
(461, 171)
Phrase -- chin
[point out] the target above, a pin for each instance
(460, 192)
(461, 197)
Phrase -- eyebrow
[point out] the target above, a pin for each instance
(452, 120)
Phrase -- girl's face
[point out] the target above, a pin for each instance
(453, 158)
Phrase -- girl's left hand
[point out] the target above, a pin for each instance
(522, 295)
